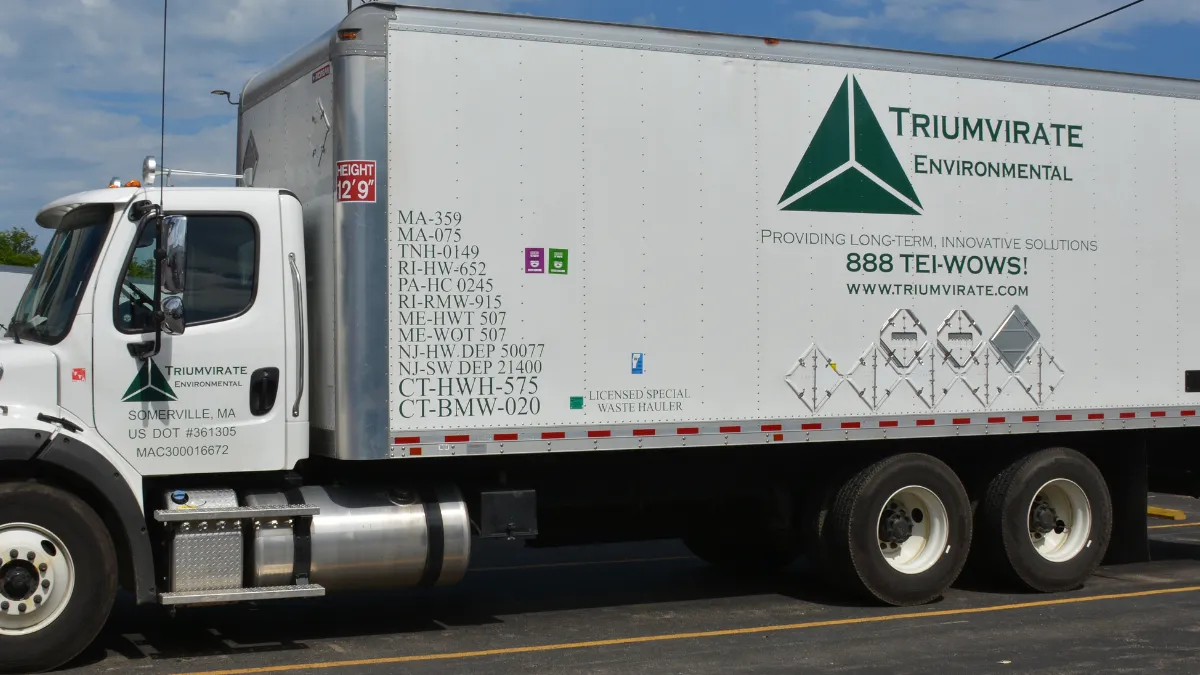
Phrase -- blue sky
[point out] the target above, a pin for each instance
(84, 107)
(1158, 40)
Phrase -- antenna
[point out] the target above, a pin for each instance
(162, 134)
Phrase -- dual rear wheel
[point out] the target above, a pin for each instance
(898, 531)
(901, 530)
(1044, 522)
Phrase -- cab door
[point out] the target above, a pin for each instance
(212, 399)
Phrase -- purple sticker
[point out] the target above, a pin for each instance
(535, 260)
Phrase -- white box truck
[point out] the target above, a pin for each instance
(565, 282)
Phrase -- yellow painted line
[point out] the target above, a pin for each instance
(1164, 513)
(582, 563)
(531, 649)
(1163, 527)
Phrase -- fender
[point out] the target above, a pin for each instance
(21, 445)
(89, 467)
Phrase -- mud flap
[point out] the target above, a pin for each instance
(1124, 466)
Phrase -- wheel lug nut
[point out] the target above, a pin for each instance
(21, 608)
(4, 606)
(45, 584)
(37, 599)
(13, 554)
(30, 556)
(43, 567)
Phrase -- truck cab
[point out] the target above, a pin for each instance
(162, 333)
(93, 344)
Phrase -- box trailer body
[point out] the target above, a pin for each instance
(824, 242)
(491, 276)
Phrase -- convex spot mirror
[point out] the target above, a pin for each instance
(173, 239)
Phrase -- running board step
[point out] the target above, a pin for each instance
(236, 513)
(242, 594)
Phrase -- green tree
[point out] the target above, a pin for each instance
(141, 270)
(19, 247)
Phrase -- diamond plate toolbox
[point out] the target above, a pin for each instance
(205, 555)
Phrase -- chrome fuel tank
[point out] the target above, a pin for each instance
(366, 538)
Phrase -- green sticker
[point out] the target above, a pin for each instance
(558, 260)
(576, 403)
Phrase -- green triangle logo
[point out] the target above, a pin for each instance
(850, 166)
(149, 386)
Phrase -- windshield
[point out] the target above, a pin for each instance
(48, 306)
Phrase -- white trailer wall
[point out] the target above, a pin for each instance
(661, 174)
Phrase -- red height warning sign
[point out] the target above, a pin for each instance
(356, 181)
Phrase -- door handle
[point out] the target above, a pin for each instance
(264, 385)
(298, 291)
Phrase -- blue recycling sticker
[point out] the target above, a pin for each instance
(638, 363)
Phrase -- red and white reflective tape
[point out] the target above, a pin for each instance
(792, 430)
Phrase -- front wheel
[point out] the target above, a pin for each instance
(58, 576)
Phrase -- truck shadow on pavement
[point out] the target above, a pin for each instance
(485, 597)
(1174, 550)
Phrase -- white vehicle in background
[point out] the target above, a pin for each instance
(13, 280)
(563, 282)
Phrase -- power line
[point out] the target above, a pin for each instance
(1067, 30)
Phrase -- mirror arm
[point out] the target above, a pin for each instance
(168, 278)
(147, 350)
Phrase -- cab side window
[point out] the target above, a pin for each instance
(222, 273)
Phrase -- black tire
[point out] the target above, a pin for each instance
(90, 546)
(1003, 542)
(851, 531)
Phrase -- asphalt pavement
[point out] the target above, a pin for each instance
(652, 608)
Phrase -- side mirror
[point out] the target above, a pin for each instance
(172, 315)
(173, 238)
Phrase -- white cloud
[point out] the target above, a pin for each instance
(958, 21)
(824, 21)
(8, 46)
(83, 106)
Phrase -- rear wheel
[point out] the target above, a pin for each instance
(58, 576)
(899, 531)
(1045, 521)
